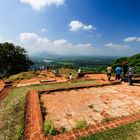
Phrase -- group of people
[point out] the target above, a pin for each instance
(123, 73)
(78, 72)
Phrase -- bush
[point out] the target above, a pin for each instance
(81, 124)
(22, 76)
(49, 128)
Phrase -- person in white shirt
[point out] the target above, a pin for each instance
(131, 74)
(109, 71)
(70, 77)
(79, 72)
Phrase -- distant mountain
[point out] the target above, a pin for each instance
(46, 55)
(42, 55)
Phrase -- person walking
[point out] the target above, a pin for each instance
(109, 71)
(118, 72)
(79, 72)
(131, 74)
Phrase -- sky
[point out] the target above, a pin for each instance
(72, 27)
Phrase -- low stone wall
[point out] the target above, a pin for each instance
(2, 85)
(33, 122)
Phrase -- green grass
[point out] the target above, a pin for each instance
(126, 132)
(12, 113)
(49, 127)
(81, 124)
(13, 106)
(65, 72)
(22, 76)
(65, 63)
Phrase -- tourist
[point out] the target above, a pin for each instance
(125, 70)
(131, 74)
(79, 72)
(118, 72)
(109, 71)
(70, 77)
(55, 72)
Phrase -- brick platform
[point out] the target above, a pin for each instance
(34, 123)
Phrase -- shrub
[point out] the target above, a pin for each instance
(49, 128)
(81, 124)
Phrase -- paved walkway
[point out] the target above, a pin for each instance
(94, 105)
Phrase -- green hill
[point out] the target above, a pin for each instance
(135, 59)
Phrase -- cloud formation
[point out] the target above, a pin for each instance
(34, 43)
(132, 39)
(76, 25)
(39, 4)
(117, 46)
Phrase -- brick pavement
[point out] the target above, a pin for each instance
(120, 102)
(94, 105)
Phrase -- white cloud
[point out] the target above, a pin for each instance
(87, 27)
(26, 37)
(109, 45)
(138, 39)
(117, 46)
(39, 4)
(130, 39)
(76, 25)
(35, 43)
(60, 42)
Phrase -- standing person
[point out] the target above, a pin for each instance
(118, 72)
(131, 74)
(125, 70)
(55, 72)
(79, 72)
(109, 71)
(70, 77)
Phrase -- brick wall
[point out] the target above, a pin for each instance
(33, 121)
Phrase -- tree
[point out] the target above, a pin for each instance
(135, 60)
(13, 59)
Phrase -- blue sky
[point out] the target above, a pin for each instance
(72, 27)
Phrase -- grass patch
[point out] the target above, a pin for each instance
(22, 76)
(81, 124)
(129, 131)
(65, 72)
(49, 128)
(12, 113)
